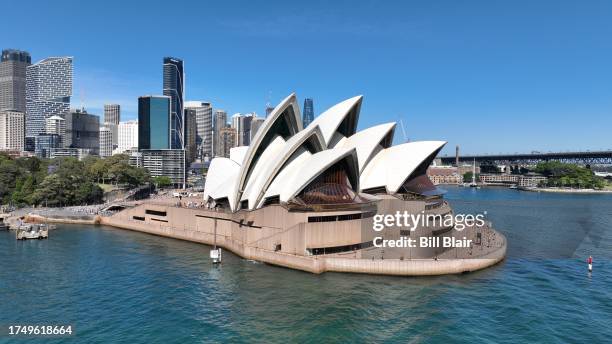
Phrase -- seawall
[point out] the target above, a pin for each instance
(315, 264)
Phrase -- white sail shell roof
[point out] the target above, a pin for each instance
(272, 164)
(330, 120)
(285, 117)
(238, 153)
(221, 180)
(366, 142)
(284, 158)
(296, 176)
(260, 171)
(392, 166)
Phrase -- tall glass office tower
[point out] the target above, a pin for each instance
(154, 122)
(13, 65)
(308, 112)
(48, 92)
(174, 77)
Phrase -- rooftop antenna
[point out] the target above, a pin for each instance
(82, 98)
(268, 104)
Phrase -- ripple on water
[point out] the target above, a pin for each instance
(127, 287)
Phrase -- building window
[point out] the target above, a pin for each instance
(155, 212)
(345, 217)
(340, 249)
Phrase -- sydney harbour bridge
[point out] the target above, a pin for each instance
(582, 158)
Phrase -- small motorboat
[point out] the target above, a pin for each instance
(32, 231)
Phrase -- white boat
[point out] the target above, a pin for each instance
(32, 231)
(473, 184)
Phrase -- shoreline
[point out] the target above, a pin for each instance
(313, 264)
(200, 231)
(567, 191)
(318, 265)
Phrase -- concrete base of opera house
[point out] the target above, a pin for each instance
(178, 226)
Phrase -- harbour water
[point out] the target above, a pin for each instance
(117, 286)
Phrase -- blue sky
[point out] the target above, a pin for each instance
(490, 76)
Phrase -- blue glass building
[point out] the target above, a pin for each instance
(174, 88)
(154, 122)
(308, 112)
(45, 143)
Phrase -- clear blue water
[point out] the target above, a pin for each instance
(117, 286)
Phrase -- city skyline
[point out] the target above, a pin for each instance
(471, 67)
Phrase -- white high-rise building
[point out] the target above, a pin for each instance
(242, 124)
(106, 141)
(48, 92)
(127, 136)
(112, 113)
(12, 130)
(56, 125)
(236, 122)
(204, 127)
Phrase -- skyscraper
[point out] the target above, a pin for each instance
(190, 135)
(83, 131)
(174, 77)
(245, 125)
(227, 140)
(269, 109)
(255, 124)
(154, 122)
(48, 92)
(112, 114)
(220, 123)
(106, 141)
(308, 112)
(12, 130)
(204, 127)
(236, 124)
(13, 66)
(127, 133)
(242, 124)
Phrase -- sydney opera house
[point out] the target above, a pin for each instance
(306, 198)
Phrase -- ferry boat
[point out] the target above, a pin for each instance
(32, 231)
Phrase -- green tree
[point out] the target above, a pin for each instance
(467, 177)
(569, 175)
(162, 181)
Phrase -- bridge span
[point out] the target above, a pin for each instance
(582, 158)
